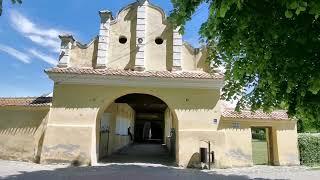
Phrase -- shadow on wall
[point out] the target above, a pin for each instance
(20, 122)
(194, 161)
(100, 96)
(124, 172)
(132, 16)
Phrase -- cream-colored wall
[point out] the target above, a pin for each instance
(116, 141)
(122, 56)
(77, 109)
(104, 136)
(84, 56)
(191, 141)
(287, 143)
(194, 59)
(158, 57)
(21, 132)
(188, 62)
(167, 126)
(239, 146)
(81, 106)
(202, 63)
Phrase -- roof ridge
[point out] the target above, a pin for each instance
(127, 70)
(277, 114)
(25, 97)
(149, 73)
(26, 101)
(259, 110)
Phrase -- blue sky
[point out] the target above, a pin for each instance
(29, 37)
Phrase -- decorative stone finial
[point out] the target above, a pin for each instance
(105, 15)
(141, 2)
(66, 38)
(67, 41)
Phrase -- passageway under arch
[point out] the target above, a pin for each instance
(137, 128)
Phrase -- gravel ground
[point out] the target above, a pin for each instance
(136, 171)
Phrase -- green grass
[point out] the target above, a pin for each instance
(315, 168)
(259, 152)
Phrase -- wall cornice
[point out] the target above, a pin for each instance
(151, 82)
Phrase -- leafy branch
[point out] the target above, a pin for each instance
(270, 49)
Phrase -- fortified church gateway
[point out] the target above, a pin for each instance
(137, 73)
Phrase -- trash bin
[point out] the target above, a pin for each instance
(204, 155)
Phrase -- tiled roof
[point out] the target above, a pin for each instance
(275, 115)
(26, 101)
(130, 73)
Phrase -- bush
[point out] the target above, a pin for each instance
(309, 146)
(260, 135)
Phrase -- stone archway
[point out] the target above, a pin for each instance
(150, 118)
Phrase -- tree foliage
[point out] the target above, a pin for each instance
(13, 2)
(270, 49)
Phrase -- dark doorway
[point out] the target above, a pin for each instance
(149, 117)
(153, 139)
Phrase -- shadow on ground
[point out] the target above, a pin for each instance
(123, 172)
(142, 153)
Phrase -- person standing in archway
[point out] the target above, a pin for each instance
(130, 134)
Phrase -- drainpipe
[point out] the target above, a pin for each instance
(108, 131)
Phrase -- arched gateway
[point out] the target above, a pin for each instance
(137, 73)
(140, 125)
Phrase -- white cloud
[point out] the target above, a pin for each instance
(229, 104)
(50, 43)
(23, 57)
(46, 37)
(44, 57)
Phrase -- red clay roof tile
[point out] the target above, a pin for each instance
(26, 101)
(129, 73)
(245, 114)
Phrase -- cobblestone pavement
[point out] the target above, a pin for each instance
(140, 171)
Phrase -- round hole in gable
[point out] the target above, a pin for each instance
(159, 40)
(122, 39)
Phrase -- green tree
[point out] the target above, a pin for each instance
(270, 50)
(13, 1)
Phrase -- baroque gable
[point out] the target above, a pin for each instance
(139, 38)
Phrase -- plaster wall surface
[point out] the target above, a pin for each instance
(287, 143)
(78, 107)
(239, 146)
(21, 132)
(168, 123)
(85, 57)
(158, 57)
(122, 56)
(116, 140)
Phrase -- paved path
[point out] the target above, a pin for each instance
(122, 171)
(142, 153)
